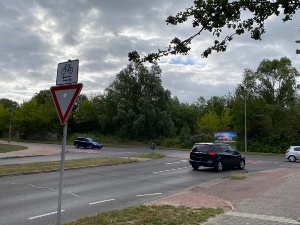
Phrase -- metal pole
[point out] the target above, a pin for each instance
(9, 129)
(245, 121)
(62, 164)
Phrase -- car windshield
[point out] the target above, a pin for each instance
(91, 140)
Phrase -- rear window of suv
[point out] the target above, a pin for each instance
(202, 148)
(212, 148)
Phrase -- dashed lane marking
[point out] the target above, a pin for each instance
(47, 214)
(259, 162)
(163, 171)
(178, 156)
(148, 194)
(181, 161)
(108, 200)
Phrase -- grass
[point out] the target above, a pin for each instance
(238, 176)
(11, 148)
(151, 155)
(150, 215)
(28, 168)
(69, 164)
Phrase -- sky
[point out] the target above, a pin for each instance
(37, 35)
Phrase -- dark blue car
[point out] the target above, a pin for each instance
(87, 143)
(217, 155)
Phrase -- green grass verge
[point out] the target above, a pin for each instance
(151, 155)
(150, 215)
(55, 166)
(238, 176)
(11, 148)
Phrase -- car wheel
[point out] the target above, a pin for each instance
(242, 165)
(76, 146)
(219, 166)
(90, 146)
(292, 158)
(195, 167)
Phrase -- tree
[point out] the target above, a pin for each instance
(34, 120)
(7, 103)
(72, 120)
(86, 117)
(226, 120)
(209, 123)
(138, 104)
(43, 96)
(274, 81)
(271, 96)
(215, 16)
(183, 115)
(216, 104)
(4, 119)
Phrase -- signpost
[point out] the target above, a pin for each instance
(67, 72)
(64, 96)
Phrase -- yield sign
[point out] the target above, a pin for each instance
(64, 97)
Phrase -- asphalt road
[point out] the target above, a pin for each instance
(73, 153)
(32, 199)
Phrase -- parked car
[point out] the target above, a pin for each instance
(87, 143)
(216, 155)
(293, 153)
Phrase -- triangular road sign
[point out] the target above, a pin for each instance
(64, 97)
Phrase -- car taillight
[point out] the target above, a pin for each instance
(287, 151)
(212, 153)
(191, 151)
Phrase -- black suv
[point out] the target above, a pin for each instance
(87, 143)
(217, 155)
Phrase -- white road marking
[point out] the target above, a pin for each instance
(162, 171)
(181, 161)
(148, 194)
(47, 214)
(264, 217)
(39, 187)
(31, 185)
(108, 200)
(73, 194)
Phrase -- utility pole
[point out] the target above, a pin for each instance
(9, 129)
(245, 97)
(245, 114)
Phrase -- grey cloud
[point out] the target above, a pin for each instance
(37, 35)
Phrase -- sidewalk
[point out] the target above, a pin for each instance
(33, 150)
(263, 198)
(269, 197)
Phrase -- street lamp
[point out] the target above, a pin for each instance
(245, 107)
(10, 121)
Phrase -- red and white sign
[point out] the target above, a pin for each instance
(64, 97)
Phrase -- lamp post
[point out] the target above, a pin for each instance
(245, 114)
(245, 97)
(10, 123)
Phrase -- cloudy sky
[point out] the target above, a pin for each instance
(36, 35)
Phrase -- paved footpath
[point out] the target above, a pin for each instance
(33, 149)
(269, 197)
(263, 198)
